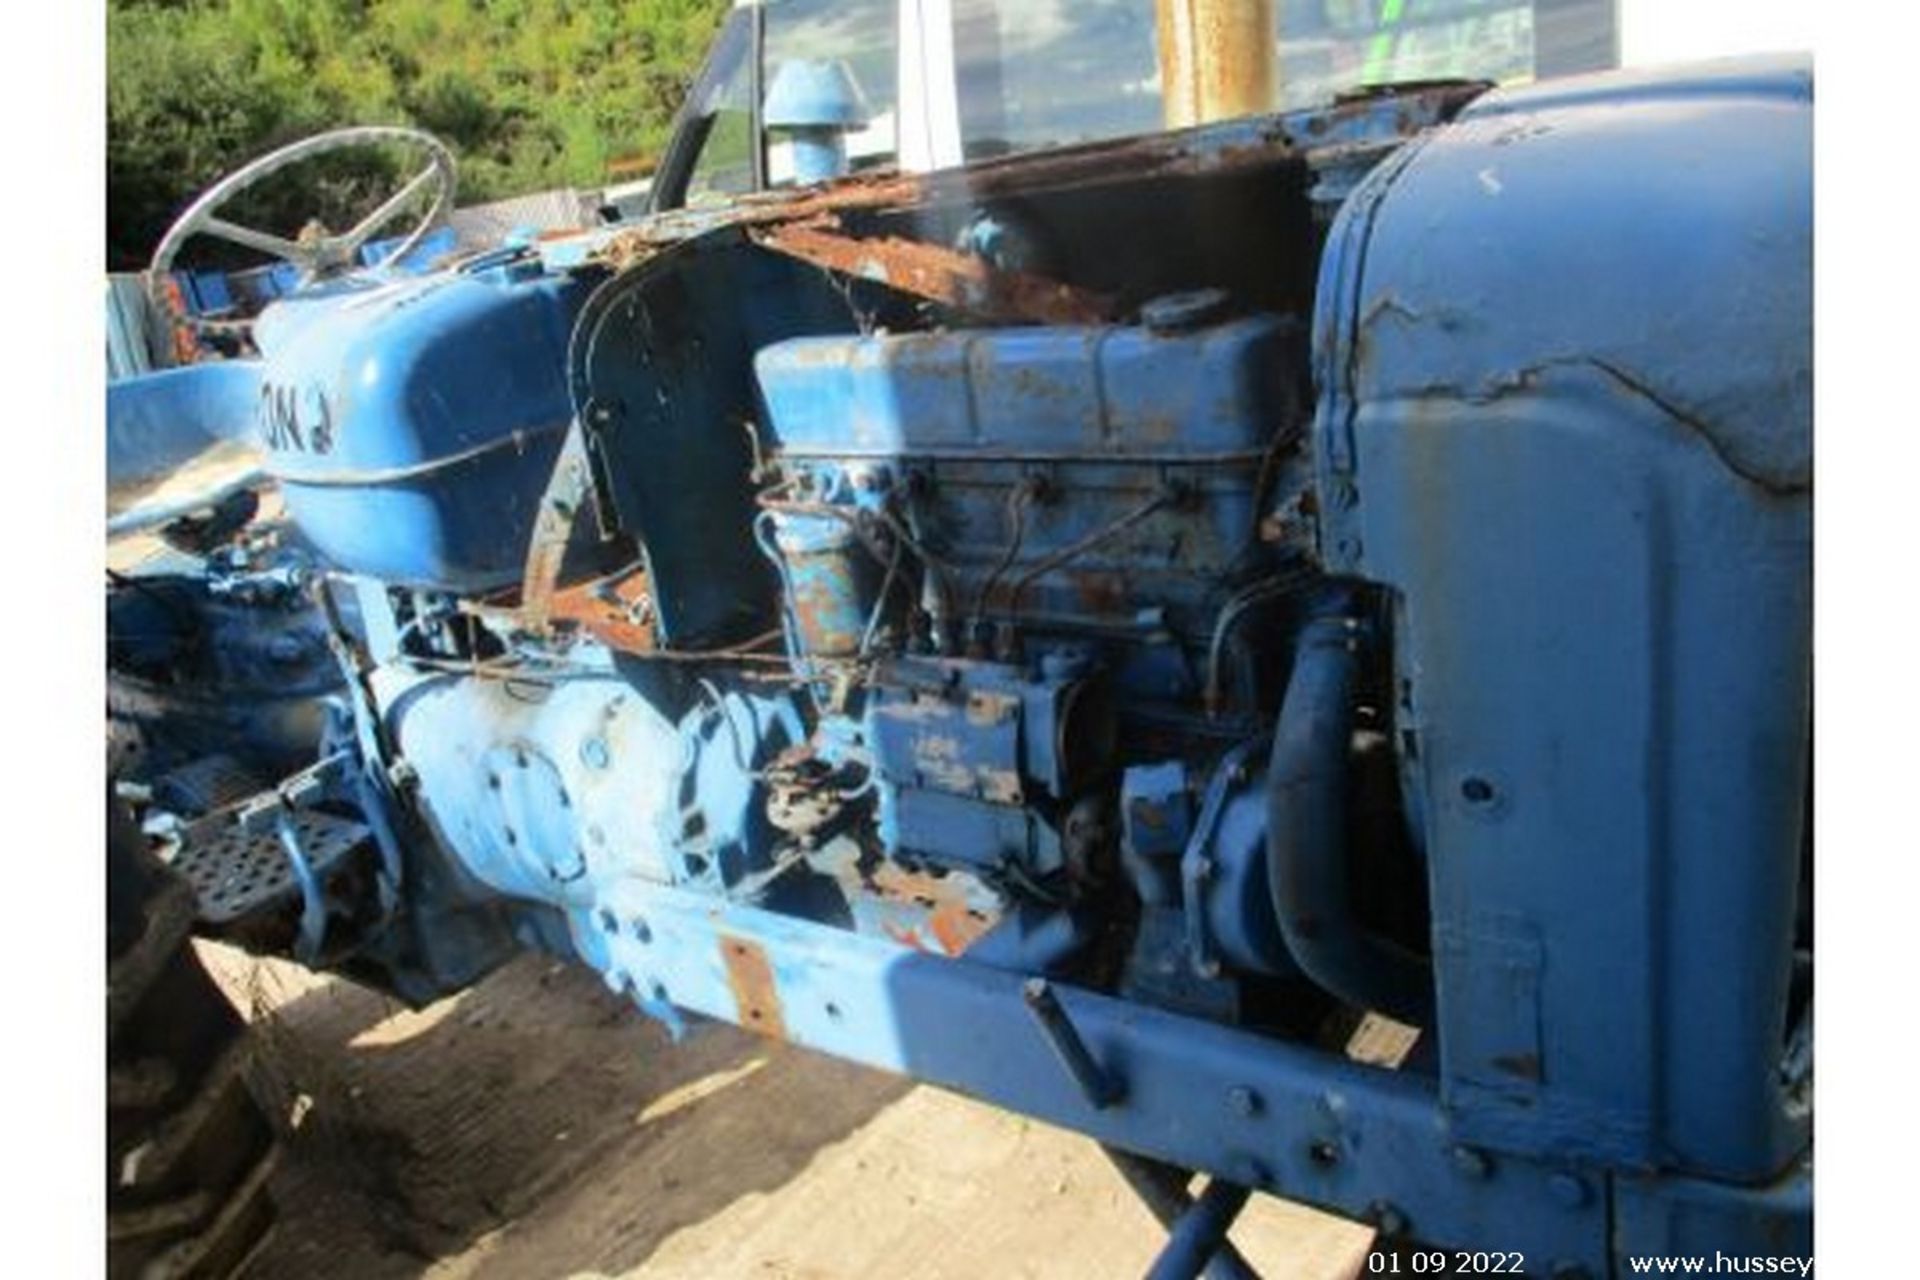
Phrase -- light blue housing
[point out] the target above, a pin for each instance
(413, 424)
(1566, 365)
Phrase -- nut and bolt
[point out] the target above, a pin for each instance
(1471, 1163)
(1569, 1189)
(1391, 1223)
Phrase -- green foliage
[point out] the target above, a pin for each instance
(530, 94)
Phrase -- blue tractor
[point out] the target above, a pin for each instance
(1106, 619)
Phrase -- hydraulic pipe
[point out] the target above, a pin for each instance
(1163, 1189)
(1307, 853)
(1200, 1231)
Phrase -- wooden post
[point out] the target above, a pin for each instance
(1217, 59)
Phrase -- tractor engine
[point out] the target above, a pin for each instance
(1093, 628)
(1014, 534)
(1010, 587)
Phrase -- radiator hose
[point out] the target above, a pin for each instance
(1307, 855)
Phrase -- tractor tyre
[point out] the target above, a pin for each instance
(188, 1150)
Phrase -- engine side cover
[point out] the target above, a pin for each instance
(1566, 359)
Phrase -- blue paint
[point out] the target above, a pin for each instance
(1561, 491)
(966, 1026)
(1037, 393)
(814, 104)
(1583, 463)
(433, 246)
(412, 423)
(601, 779)
(158, 420)
(1090, 422)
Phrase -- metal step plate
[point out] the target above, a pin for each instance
(235, 873)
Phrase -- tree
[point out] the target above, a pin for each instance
(529, 94)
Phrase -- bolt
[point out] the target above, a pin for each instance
(640, 930)
(1471, 1163)
(1391, 1223)
(287, 650)
(608, 921)
(1568, 1189)
(1326, 1155)
(594, 753)
(1243, 1100)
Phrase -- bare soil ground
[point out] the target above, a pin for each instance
(536, 1126)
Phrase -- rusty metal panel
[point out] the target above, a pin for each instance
(938, 274)
(755, 993)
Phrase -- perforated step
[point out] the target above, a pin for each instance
(235, 873)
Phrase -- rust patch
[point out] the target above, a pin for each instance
(954, 925)
(956, 928)
(1172, 153)
(937, 273)
(616, 610)
(989, 710)
(1099, 591)
(754, 994)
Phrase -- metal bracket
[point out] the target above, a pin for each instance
(1102, 1088)
(1196, 864)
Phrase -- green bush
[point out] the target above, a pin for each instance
(529, 93)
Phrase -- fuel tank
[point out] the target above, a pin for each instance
(413, 423)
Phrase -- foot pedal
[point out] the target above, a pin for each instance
(236, 872)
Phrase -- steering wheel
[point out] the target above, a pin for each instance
(316, 252)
